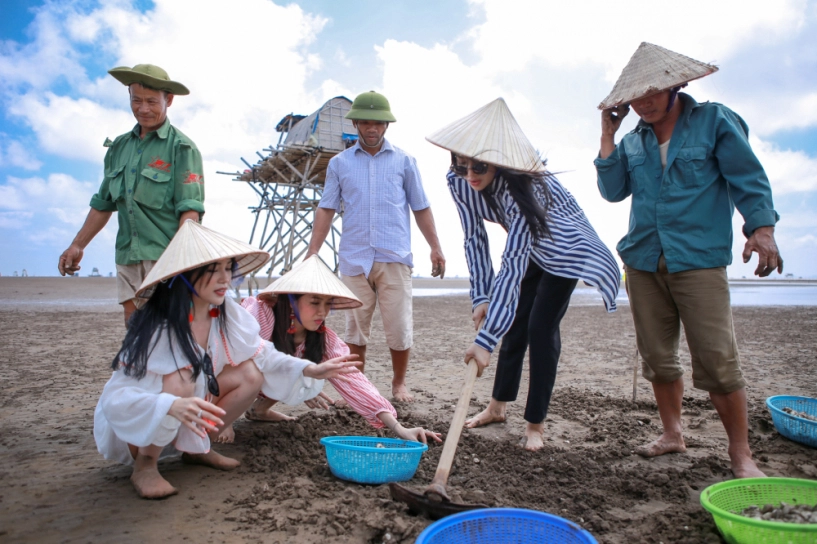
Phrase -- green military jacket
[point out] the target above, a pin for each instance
(150, 182)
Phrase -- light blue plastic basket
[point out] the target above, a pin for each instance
(504, 526)
(372, 460)
(794, 428)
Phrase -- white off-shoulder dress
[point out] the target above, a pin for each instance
(135, 411)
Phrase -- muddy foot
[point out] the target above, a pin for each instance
(485, 417)
(534, 437)
(267, 415)
(661, 446)
(211, 459)
(149, 484)
(743, 467)
(226, 436)
(401, 393)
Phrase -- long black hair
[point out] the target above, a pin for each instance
(315, 344)
(167, 310)
(523, 188)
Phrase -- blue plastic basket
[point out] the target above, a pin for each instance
(504, 526)
(372, 460)
(794, 428)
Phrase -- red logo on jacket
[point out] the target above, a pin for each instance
(159, 164)
(191, 177)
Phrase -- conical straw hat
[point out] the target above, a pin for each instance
(194, 246)
(492, 135)
(312, 276)
(653, 69)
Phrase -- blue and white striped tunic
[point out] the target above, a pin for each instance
(574, 251)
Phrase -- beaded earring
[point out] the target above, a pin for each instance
(214, 312)
(291, 329)
(190, 315)
(322, 328)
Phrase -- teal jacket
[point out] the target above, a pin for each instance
(685, 210)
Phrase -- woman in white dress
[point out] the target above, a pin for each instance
(192, 361)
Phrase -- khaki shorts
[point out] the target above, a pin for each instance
(388, 284)
(661, 302)
(129, 278)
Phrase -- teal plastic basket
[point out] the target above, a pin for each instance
(372, 460)
(726, 500)
(792, 427)
(504, 526)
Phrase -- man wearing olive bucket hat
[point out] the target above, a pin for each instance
(153, 179)
(377, 183)
(687, 166)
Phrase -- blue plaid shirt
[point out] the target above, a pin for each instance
(375, 194)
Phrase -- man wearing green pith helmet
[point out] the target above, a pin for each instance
(376, 184)
(154, 179)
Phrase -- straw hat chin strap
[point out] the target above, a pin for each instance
(293, 304)
(673, 93)
(189, 286)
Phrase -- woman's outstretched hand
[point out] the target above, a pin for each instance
(321, 401)
(417, 434)
(333, 368)
(197, 414)
(481, 355)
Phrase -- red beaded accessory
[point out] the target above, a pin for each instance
(322, 328)
(214, 312)
(291, 329)
(190, 315)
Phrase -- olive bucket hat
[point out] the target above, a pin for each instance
(371, 106)
(150, 76)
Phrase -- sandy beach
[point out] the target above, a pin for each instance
(58, 336)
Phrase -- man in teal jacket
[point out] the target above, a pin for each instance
(687, 166)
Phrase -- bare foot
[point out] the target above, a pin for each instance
(534, 436)
(401, 393)
(226, 436)
(664, 444)
(489, 415)
(744, 467)
(149, 484)
(267, 415)
(211, 459)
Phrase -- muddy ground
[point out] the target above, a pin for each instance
(55, 487)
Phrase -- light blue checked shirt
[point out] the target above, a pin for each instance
(375, 193)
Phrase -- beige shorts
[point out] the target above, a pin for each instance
(661, 302)
(389, 285)
(129, 278)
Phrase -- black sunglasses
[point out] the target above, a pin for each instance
(207, 368)
(478, 168)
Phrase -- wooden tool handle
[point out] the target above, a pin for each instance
(455, 430)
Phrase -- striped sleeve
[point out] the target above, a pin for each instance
(262, 313)
(505, 296)
(574, 249)
(362, 396)
(477, 250)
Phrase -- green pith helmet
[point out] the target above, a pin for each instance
(371, 106)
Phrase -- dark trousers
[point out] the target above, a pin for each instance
(543, 301)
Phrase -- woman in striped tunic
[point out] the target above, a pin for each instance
(497, 176)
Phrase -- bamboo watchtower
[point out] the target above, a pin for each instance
(289, 181)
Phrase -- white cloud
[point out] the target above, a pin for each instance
(607, 34)
(788, 171)
(13, 153)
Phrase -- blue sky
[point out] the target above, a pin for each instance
(249, 62)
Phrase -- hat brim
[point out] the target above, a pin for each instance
(371, 115)
(648, 92)
(337, 303)
(127, 77)
(246, 263)
(538, 169)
